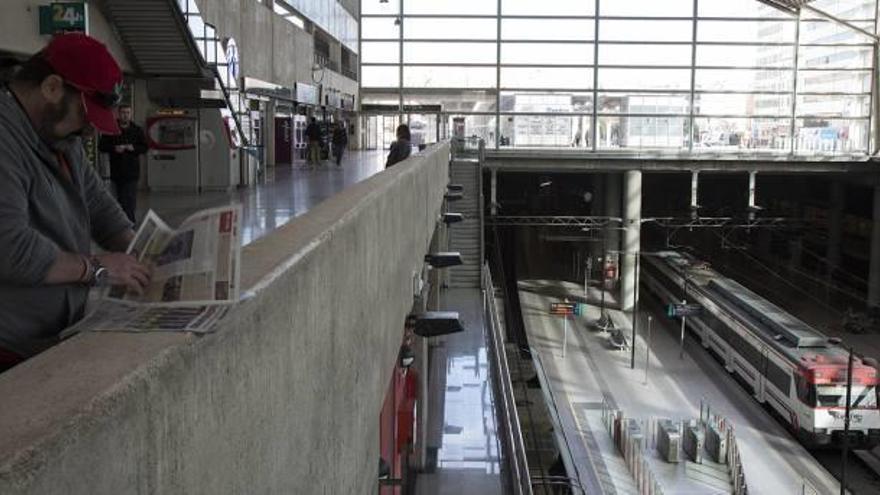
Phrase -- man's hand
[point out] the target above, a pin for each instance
(129, 147)
(120, 148)
(126, 270)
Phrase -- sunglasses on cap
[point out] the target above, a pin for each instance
(106, 100)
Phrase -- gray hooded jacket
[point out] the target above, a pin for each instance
(41, 214)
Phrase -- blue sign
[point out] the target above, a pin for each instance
(679, 310)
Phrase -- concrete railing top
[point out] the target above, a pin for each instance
(313, 340)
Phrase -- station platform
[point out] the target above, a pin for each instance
(285, 192)
(593, 374)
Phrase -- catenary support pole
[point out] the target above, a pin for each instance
(564, 335)
(681, 342)
(648, 350)
(845, 449)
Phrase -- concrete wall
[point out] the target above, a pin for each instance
(284, 398)
(20, 29)
(352, 6)
(271, 48)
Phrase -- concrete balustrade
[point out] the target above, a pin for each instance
(285, 396)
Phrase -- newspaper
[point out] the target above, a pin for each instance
(197, 264)
(196, 272)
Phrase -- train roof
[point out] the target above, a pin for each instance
(785, 332)
(781, 324)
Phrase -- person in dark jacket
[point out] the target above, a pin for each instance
(314, 135)
(340, 141)
(401, 148)
(125, 150)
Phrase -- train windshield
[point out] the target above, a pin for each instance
(861, 397)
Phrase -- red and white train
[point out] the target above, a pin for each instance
(787, 365)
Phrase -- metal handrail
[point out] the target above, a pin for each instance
(510, 431)
(481, 159)
(183, 9)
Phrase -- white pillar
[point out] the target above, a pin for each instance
(632, 223)
(612, 207)
(493, 199)
(874, 270)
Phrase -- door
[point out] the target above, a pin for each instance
(762, 377)
(379, 131)
(424, 128)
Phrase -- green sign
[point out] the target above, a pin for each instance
(63, 17)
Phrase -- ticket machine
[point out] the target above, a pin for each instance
(173, 157)
(192, 149)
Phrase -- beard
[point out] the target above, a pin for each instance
(55, 113)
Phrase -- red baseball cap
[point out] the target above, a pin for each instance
(86, 64)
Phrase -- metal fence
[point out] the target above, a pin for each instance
(509, 430)
(630, 438)
(734, 460)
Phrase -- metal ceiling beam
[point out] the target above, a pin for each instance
(793, 7)
(553, 221)
(596, 222)
(719, 222)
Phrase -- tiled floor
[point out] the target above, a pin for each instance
(467, 462)
(285, 192)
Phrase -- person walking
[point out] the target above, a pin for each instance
(340, 141)
(401, 148)
(125, 150)
(314, 136)
(53, 205)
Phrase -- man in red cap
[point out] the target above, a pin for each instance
(52, 205)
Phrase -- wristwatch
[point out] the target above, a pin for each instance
(99, 274)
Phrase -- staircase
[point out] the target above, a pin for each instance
(156, 37)
(169, 40)
(465, 237)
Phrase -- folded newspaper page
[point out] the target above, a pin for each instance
(196, 276)
(196, 264)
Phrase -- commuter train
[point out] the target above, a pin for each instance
(787, 365)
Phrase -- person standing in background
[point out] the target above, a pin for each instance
(125, 150)
(401, 148)
(340, 141)
(313, 135)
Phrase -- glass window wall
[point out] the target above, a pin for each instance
(695, 75)
(547, 53)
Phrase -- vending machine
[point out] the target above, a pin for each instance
(192, 149)
(173, 156)
(300, 122)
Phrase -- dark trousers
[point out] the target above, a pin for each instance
(126, 194)
(338, 150)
